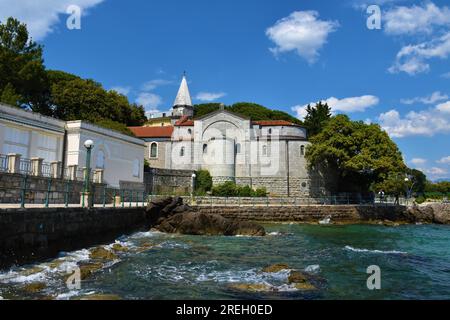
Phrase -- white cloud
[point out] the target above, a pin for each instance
(150, 101)
(153, 84)
(427, 122)
(122, 90)
(412, 59)
(303, 32)
(436, 173)
(41, 16)
(348, 105)
(446, 75)
(444, 107)
(445, 160)
(430, 99)
(418, 161)
(415, 19)
(210, 96)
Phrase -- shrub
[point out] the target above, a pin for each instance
(230, 189)
(203, 182)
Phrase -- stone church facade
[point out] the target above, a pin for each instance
(268, 154)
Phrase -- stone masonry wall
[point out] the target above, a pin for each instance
(166, 181)
(313, 213)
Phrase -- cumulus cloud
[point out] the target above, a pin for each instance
(153, 84)
(445, 160)
(412, 59)
(431, 99)
(150, 101)
(346, 105)
(41, 16)
(418, 161)
(416, 19)
(209, 96)
(446, 75)
(122, 90)
(302, 32)
(436, 173)
(427, 122)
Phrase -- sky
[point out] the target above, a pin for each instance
(282, 54)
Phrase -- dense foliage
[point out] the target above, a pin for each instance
(230, 189)
(354, 156)
(203, 182)
(252, 111)
(316, 118)
(24, 82)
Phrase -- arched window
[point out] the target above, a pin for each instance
(238, 148)
(136, 167)
(154, 150)
(205, 149)
(100, 161)
(270, 131)
(190, 131)
(264, 150)
(182, 152)
(302, 151)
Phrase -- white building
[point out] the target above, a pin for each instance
(33, 136)
(231, 147)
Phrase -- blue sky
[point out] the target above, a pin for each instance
(281, 54)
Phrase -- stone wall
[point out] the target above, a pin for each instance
(36, 190)
(32, 234)
(313, 213)
(166, 181)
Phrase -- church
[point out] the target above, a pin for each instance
(231, 147)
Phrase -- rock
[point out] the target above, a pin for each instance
(101, 253)
(172, 216)
(29, 272)
(252, 287)
(388, 223)
(86, 270)
(298, 277)
(108, 297)
(55, 263)
(35, 287)
(276, 268)
(117, 247)
(304, 286)
(145, 247)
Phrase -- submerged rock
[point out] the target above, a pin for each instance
(252, 287)
(101, 253)
(117, 247)
(108, 297)
(275, 268)
(86, 270)
(298, 277)
(35, 287)
(172, 216)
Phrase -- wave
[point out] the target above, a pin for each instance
(373, 251)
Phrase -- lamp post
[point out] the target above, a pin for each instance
(194, 176)
(89, 145)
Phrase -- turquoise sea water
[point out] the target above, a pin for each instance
(414, 262)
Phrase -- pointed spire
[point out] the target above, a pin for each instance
(183, 97)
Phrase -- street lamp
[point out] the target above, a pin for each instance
(89, 145)
(193, 187)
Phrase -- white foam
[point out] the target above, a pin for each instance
(315, 268)
(374, 251)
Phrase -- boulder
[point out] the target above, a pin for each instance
(298, 277)
(117, 247)
(86, 270)
(101, 253)
(35, 287)
(193, 223)
(275, 268)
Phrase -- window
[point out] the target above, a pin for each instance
(302, 151)
(136, 167)
(270, 131)
(238, 148)
(264, 150)
(100, 161)
(189, 131)
(205, 149)
(154, 150)
(182, 151)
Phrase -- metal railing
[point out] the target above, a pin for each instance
(25, 166)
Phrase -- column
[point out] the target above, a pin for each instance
(55, 167)
(73, 172)
(36, 166)
(14, 162)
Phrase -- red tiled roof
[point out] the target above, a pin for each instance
(274, 123)
(184, 122)
(152, 132)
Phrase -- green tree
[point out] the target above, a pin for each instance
(352, 156)
(394, 184)
(418, 180)
(203, 182)
(23, 79)
(316, 118)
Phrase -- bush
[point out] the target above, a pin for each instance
(230, 189)
(203, 182)
(420, 200)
